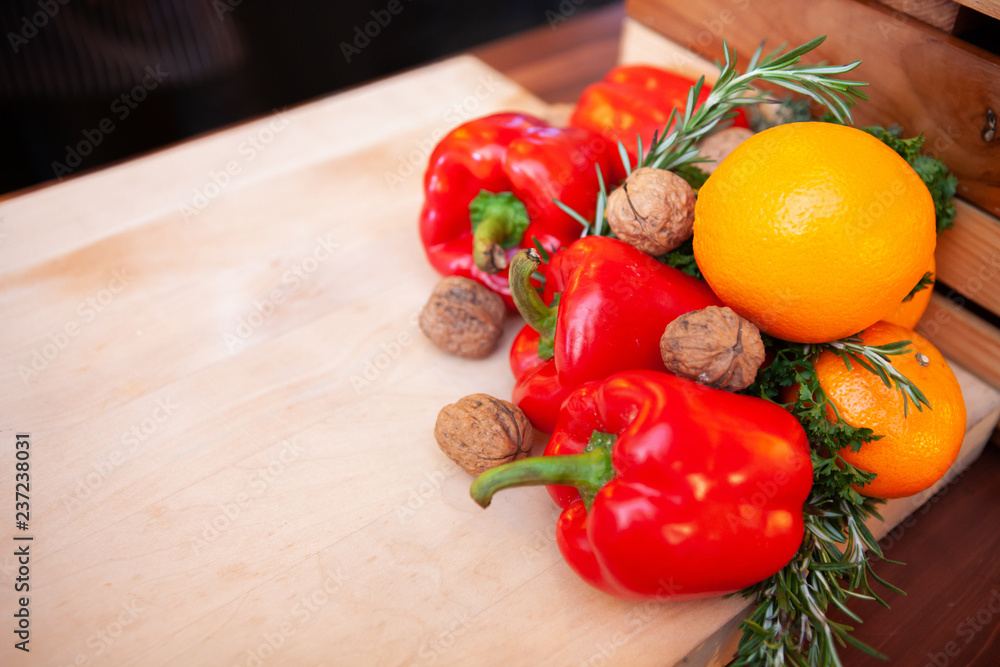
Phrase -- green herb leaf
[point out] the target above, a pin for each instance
(926, 281)
(693, 174)
(542, 252)
(942, 185)
(908, 149)
(682, 258)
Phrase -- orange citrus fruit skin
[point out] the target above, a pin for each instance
(916, 450)
(908, 313)
(813, 231)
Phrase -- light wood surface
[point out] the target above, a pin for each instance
(215, 487)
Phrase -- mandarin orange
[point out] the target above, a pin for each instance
(916, 449)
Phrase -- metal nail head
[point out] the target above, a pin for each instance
(990, 129)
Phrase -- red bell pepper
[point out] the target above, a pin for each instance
(489, 190)
(635, 100)
(615, 301)
(678, 491)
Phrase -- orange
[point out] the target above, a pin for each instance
(908, 313)
(813, 231)
(917, 449)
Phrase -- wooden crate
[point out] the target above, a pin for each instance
(922, 78)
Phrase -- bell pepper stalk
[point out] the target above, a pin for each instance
(498, 222)
(614, 303)
(669, 489)
(635, 101)
(491, 187)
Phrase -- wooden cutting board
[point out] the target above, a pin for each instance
(214, 350)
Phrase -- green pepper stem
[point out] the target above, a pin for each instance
(539, 317)
(487, 248)
(588, 472)
(499, 221)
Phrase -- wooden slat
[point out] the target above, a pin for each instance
(939, 13)
(963, 337)
(921, 79)
(968, 256)
(988, 7)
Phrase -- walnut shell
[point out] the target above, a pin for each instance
(480, 432)
(653, 210)
(463, 318)
(721, 144)
(713, 346)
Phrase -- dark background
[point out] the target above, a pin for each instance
(293, 51)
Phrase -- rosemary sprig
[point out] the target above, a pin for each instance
(676, 147)
(875, 359)
(790, 625)
(599, 225)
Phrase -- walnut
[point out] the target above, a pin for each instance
(653, 210)
(463, 318)
(721, 144)
(713, 346)
(480, 432)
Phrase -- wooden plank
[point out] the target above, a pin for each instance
(938, 13)
(968, 256)
(920, 79)
(962, 337)
(988, 7)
